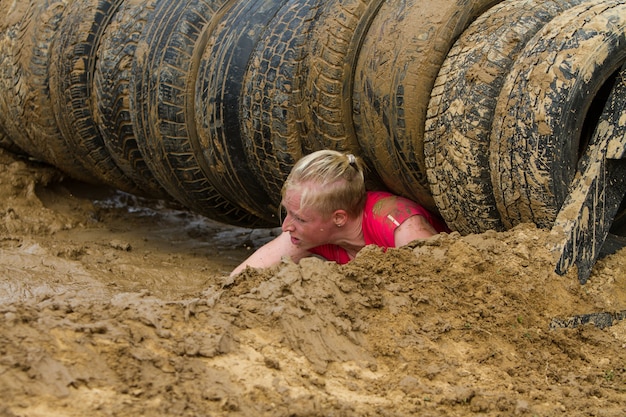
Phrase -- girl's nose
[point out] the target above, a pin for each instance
(287, 225)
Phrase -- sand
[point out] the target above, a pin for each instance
(113, 305)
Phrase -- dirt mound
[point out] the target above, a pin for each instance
(114, 305)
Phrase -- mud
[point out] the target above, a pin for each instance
(118, 306)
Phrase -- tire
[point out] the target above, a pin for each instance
(31, 109)
(394, 75)
(558, 86)
(73, 57)
(462, 105)
(10, 22)
(111, 94)
(334, 48)
(298, 87)
(272, 96)
(219, 102)
(586, 223)
(28, 111)
(163, 80)
(8, 144)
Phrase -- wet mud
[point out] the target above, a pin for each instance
(112, 305)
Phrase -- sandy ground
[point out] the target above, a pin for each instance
(117, 306)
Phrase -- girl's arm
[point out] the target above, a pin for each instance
(415, 227)
(271, 254)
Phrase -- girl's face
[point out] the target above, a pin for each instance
(308, 227)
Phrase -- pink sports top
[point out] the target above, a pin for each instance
(383, 213)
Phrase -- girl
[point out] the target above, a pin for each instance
(329, 213)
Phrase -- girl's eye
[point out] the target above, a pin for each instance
(297, 218)
(284, 213)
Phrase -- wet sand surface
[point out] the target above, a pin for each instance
(113, 305)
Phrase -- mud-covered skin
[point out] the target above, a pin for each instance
(462, 106)
(162, 107)
(395, 72)
(219, 96)
(111, 107)
(72, 61)
(551, 88)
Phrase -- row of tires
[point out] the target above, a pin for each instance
(478, 109)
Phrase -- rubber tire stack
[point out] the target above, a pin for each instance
(478, 109)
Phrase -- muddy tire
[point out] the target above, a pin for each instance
(332, 56)
(73, 57)
(272, 95)
(38, 121)
(395, 72)
(297, 88)
(462, 105)
(111, 94)
(557, 86)
(10, 21)
(219, 98)
(28, 114)
(163, 80)
(611, 129)
(7, 143)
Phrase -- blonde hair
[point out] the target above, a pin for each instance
(329, 180)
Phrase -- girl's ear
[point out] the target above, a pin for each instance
(340, 217)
